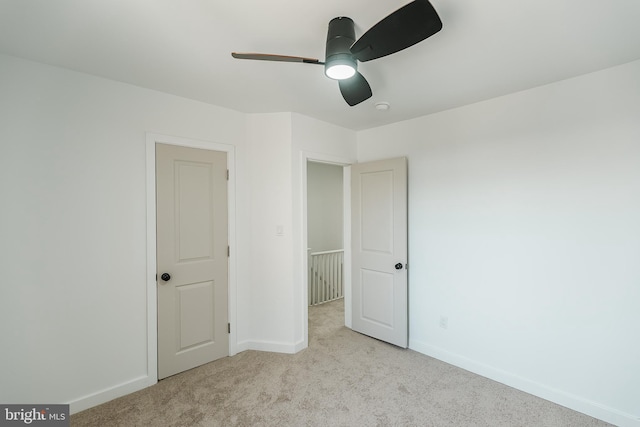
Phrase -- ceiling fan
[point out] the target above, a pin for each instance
(403, 28)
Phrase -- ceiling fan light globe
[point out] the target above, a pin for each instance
(340, 71)
(340, 66)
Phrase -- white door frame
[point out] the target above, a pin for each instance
(346, 237)
(152, 309)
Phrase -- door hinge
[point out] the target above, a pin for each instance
(229, 327)
(227, 174)
(228, 251)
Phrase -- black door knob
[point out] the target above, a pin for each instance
(398, 266)
(166, 277)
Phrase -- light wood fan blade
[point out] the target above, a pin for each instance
(280, 58)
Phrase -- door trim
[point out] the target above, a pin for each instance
(152, 309)
(346, 163)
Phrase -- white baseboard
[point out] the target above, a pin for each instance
(139, 383)
(110, 393)
(243, 346)
(560, 397)
(299, 346)
(271, 346)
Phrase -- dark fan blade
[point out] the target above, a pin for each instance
(355, 89)
(405, 27)
(270, 57)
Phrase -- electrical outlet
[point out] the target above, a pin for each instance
(444, 322)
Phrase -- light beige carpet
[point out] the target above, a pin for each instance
(342, 379)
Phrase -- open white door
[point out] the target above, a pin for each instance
(379, 250)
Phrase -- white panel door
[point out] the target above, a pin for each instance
(379, 250)
(191, 211)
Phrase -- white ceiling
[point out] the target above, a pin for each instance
(486, 48)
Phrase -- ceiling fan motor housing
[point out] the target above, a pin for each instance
(340, 38)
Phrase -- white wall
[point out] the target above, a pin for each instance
(269, 146)
(73, 314)
(73, 299)
(312, 140)
(524, 231)
(277, 145)
(324, 206)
